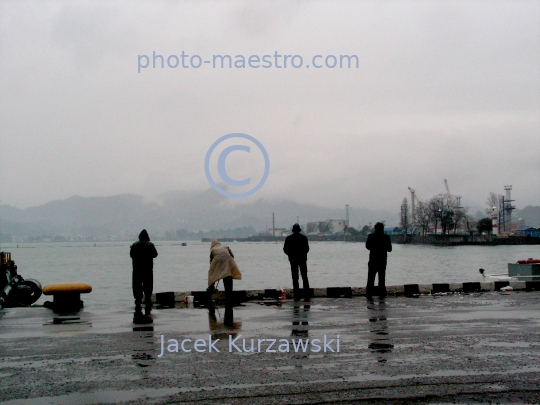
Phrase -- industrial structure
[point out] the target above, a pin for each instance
(445, 210)
(507, 208)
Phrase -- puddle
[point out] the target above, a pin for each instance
(507, 344)
(111, 396)
(96, 397)
(445, 373)
(45, 363)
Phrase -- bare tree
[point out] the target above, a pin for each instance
(423, 216)
(404, 223)
(446, 212)
(436, 206)
(460, 214)
(471, 224)
(496, 201)
(493, 201)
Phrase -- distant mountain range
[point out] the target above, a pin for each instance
(530, 215)
(127, 214)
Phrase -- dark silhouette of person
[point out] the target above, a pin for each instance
(378, 244)
(142, 254)
(297, 247)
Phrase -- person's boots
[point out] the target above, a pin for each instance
(147, 309)
(138, 315)
(147, 312)
(209, 293)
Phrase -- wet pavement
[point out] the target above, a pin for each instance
(475, 348)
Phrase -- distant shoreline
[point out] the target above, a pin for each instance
(432, 240)
(435, 240)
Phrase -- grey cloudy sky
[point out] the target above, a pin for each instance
(443, 90)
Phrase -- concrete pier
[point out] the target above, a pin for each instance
(442, 348)
(337, 292)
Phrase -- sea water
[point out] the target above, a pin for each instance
(106, 266)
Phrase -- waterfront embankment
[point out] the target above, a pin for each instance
(435, 240)
(455, 348)
(171, 298)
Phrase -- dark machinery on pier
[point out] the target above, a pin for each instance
(14, 289)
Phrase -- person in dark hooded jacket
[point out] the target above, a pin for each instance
(297, 247)
(142, 254)
(378, 244)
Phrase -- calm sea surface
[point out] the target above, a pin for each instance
(107, 265)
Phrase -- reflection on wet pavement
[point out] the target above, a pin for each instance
(300, 319)
(380, 344)
(221, 322)
(144, 350)
(430, 347)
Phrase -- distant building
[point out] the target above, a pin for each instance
(393, 230)
(326, 227)
(312, 228)
(337, 225)
(529, 231)
(278, 232)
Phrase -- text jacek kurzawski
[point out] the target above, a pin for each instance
(239, 344)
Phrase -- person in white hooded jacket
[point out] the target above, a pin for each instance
(222, 267)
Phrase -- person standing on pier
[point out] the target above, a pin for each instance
(297, 247)
(378, 244)
(222, 267)
(142, 254)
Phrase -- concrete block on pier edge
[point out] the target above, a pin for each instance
(532, 285)
(455, 287)
(289, 292)
(501, 284)
(310, 293)
(395, 289)
(472, 287)
(165, 299)
(273, 294)
(425, 288)
(338, 292)
(517, 285)
(200, 297)
(357, 291)
(411, 289)
(487, 286)
(440, 288)
(255, 294)
(239, 296)
(180, 296)
(319, 292)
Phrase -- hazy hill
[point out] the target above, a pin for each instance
(530, 215)
(205, 210)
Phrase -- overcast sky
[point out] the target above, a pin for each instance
(443, 90)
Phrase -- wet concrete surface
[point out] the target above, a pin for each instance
(477, 348)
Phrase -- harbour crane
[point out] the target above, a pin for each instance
(413, 211)
(447, 188)
(457, 204)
